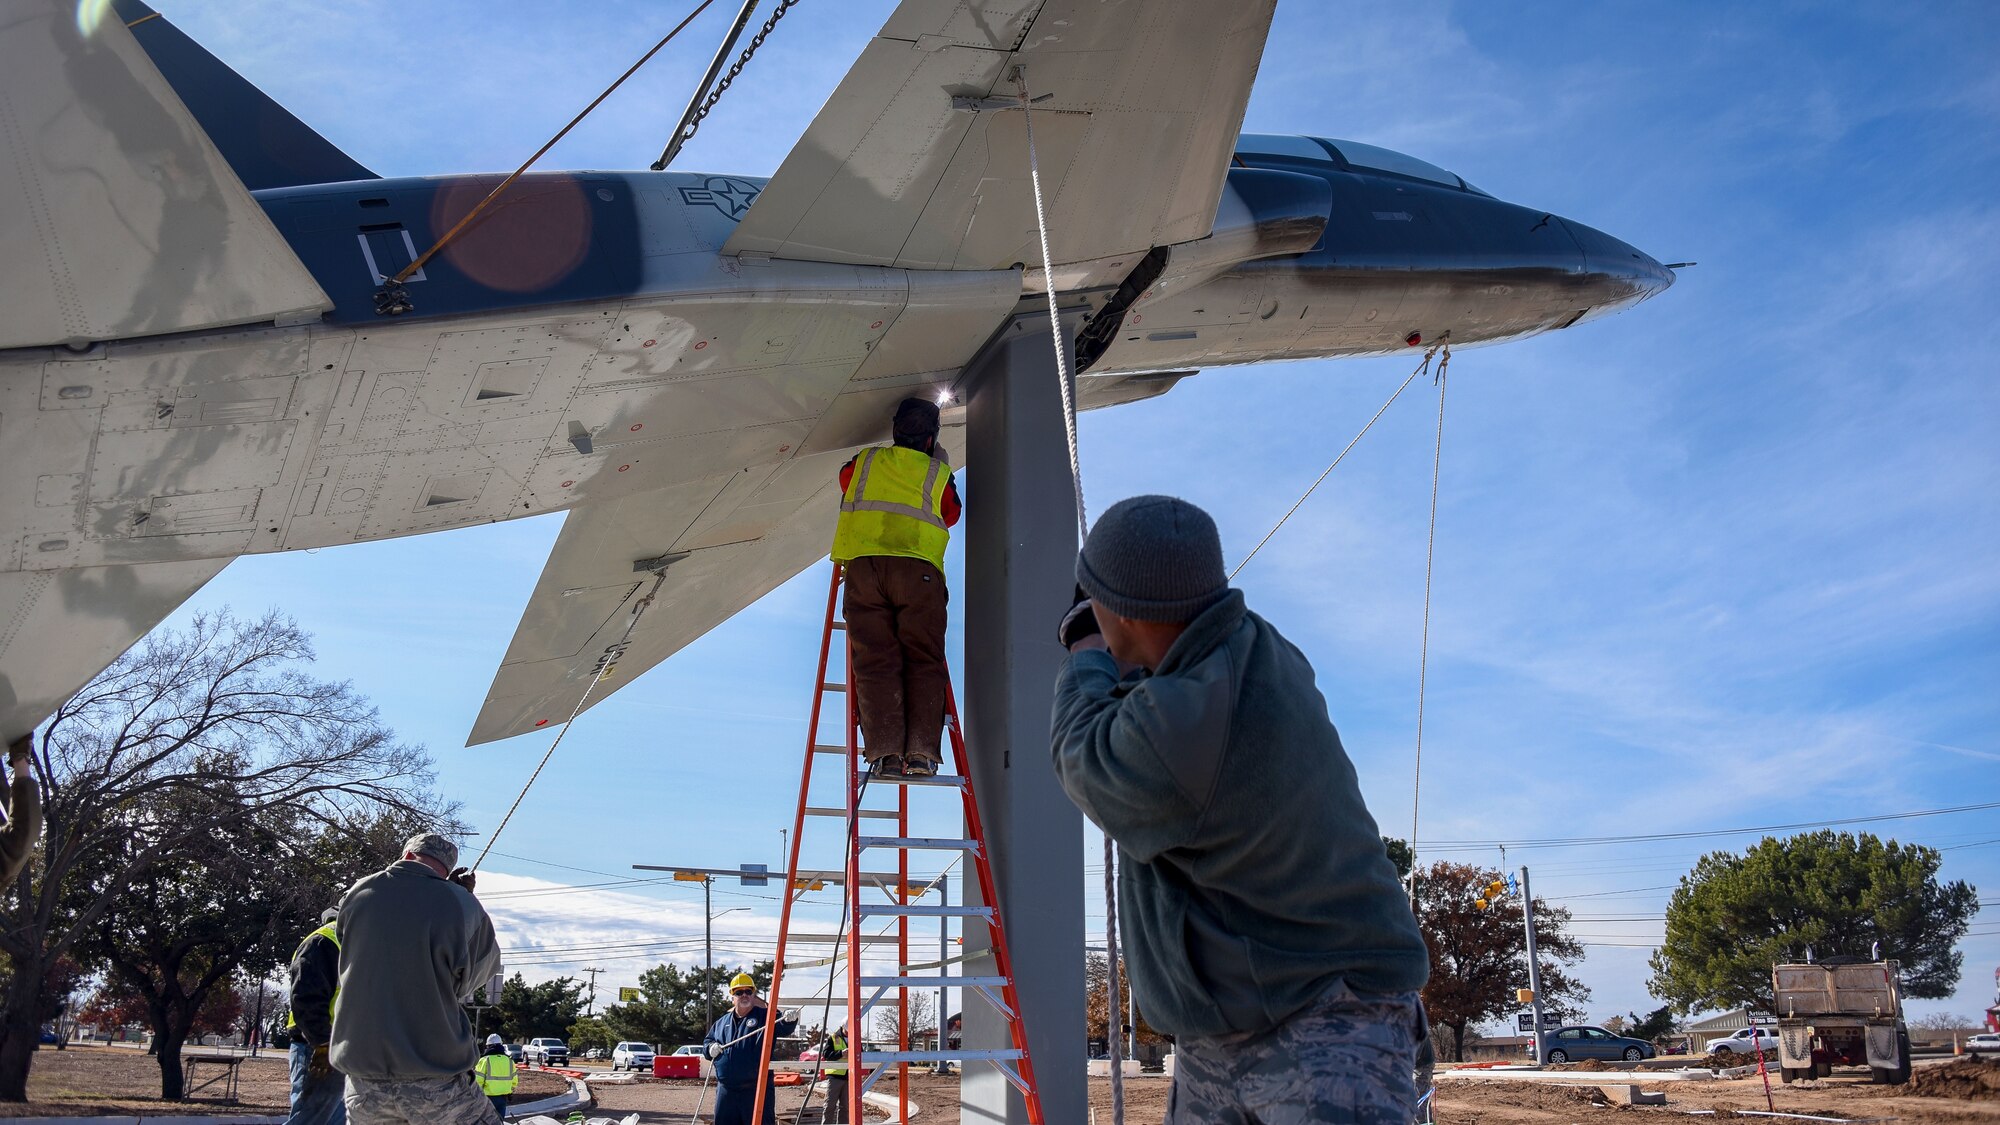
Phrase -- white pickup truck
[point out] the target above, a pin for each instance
(1746, 1041)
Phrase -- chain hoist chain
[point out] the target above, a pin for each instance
(742, 60)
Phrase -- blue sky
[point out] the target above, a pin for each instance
(1729, 559)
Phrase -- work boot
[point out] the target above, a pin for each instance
(920, 767)
(888, 765)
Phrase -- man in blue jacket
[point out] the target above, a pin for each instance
(737, 1051)
(1268, 932)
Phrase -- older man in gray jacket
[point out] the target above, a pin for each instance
(414, 946)
(1268, 933)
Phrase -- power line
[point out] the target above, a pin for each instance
(1585, 841)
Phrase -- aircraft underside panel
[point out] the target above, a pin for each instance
(122, 219)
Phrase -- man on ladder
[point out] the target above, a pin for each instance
(897, 503)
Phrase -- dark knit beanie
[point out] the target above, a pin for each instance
(1153, 558)
(916, 421)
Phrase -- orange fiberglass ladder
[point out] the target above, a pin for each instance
(866, 990)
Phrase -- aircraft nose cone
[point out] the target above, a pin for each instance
(1629, 275)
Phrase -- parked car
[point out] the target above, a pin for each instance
(632, 1056)
(1569, 1044)
(1746, 1041)
(546, 1052)
(1985, 1043)
(594, 1054)
(691, 1049)
(514, 1052)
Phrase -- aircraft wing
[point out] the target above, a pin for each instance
(1134, 140)
(122, 218)
(732, 538)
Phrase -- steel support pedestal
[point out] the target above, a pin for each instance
(1019, 573)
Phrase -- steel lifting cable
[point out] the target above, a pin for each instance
(391, 300)
(1067, 383)
(1424, 652)
(691, 120)
(1317, 481)
(599, 674)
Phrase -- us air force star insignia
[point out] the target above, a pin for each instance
(727, 194)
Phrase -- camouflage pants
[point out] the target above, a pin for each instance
(451, 1100)
(1346, 1059)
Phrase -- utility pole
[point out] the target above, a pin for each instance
(590, 1005)
(1534, 966)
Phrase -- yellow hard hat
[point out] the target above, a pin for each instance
(741, 980)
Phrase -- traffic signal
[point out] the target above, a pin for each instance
(1495, 889)
(1479, 904)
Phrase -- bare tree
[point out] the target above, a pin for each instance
(222, 708)
(923, 1017)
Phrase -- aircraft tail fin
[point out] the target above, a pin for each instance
(264, 143)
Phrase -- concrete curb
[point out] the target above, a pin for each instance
(578, 1097)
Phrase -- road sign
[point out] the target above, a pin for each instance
(754, 874)
(1759, 1019)
(1525, 1023)
(628, 996)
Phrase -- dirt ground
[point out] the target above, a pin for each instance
(91, 1081)
(1848, 1096)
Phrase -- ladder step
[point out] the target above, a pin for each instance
(950, 780)
(841, 625)
(830, 748)
(864, 814)
(810, 1004)
(833, 687)
(830, 939)
(877, 1058)
(927, 843)
(933, 982)
(840, 877)
(899, 910)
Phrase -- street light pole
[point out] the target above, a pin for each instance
(707, 952)
(1534, 966)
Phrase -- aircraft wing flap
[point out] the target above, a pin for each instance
(731, 539)
(123, 219)
(1145, 98)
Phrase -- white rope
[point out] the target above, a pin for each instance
(1424, 654)
(1064, 379)
(1055, 318)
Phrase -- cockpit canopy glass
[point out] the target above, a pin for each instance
(1387, 160)
(1251, 146)
(1278, 144)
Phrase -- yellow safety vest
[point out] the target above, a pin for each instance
(326, 932)
(894, 505)
(496, 1075)
(839, 1043)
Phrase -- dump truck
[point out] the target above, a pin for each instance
(1834, 1014)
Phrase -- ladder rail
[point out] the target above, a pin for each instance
(790, 894)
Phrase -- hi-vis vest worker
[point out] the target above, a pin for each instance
(496, 1076)
(897, 503)
(291, 1017)
(893, 505)
(836, 1048)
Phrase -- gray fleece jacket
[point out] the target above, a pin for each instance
(1253, 878)
(413, 948)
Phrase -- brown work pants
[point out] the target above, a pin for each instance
(895, 610)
